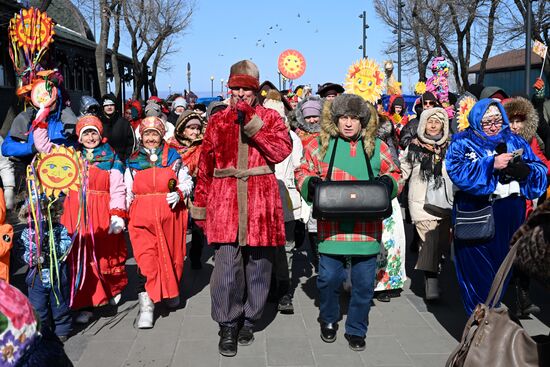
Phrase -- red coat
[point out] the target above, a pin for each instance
(216, 197)
(540, 154)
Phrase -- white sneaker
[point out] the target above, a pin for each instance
(146, 310)
(84, 317)
(172, 302)
(115, 300)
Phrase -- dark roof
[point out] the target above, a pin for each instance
(65, 13)
(510, 60)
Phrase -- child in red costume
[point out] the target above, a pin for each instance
(99, 252)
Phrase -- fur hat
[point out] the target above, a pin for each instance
(351, 105)
(88, 122)
(244, 74)
(520, 106)
(187, 118)
(441, 115)
(152, 123)
(366, 112)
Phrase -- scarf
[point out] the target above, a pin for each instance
(166, 156)
(430, 158)
(103, 157)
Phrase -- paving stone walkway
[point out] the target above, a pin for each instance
(403, 332)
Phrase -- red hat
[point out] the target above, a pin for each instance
(88, 122)
(244, 74)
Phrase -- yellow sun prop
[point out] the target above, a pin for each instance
(420, 88)
(291, 64)
(58, 171)
(464, 108)
(365, 79)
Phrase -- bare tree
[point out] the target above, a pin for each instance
(114, 48)
(418, 46)
(456, 29)
(513, 24)
(150, 24)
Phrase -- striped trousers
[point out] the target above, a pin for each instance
(240, 283)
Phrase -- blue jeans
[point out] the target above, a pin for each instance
(329, 281)
(44, 300)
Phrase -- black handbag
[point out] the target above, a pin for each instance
(362, 200)
(475, 225)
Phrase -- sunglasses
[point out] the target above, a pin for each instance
(429, 103)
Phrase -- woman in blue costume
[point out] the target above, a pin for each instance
(479, 162)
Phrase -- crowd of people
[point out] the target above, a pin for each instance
(241, 175)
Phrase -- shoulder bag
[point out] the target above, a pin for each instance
(492, 339)
(474, 225)
(366, 200)
(439, 202)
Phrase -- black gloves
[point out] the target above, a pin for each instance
(388, 182)
(311, 186)
(517, 170)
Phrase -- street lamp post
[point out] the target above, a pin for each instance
(365, 27)
(212, 86)
(189, 77)
(221, 87)
(169, 90)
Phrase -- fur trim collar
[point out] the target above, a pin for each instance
(329, 129)
(426, 114)
(521, 106)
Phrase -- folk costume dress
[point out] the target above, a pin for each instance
(97, 258)
(157, 232)
(470, 165)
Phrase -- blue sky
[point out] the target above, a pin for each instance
(327, 33)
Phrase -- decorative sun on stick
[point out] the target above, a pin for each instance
(465, 105)
(59, 171)
(365, 79)
(291, 64)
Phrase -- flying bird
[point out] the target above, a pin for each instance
(235, 37)
(308, 21)
(298, 15)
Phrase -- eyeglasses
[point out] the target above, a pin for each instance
(491, 122)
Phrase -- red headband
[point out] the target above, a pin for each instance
(243, 81)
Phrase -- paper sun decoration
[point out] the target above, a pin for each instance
(464, 107)
(59, 171)
(420, 88)
(365, 79)
(30, 33)
(291, 64)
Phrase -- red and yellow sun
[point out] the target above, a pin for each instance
(365, 79)
(292, 64)
(58, 171)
